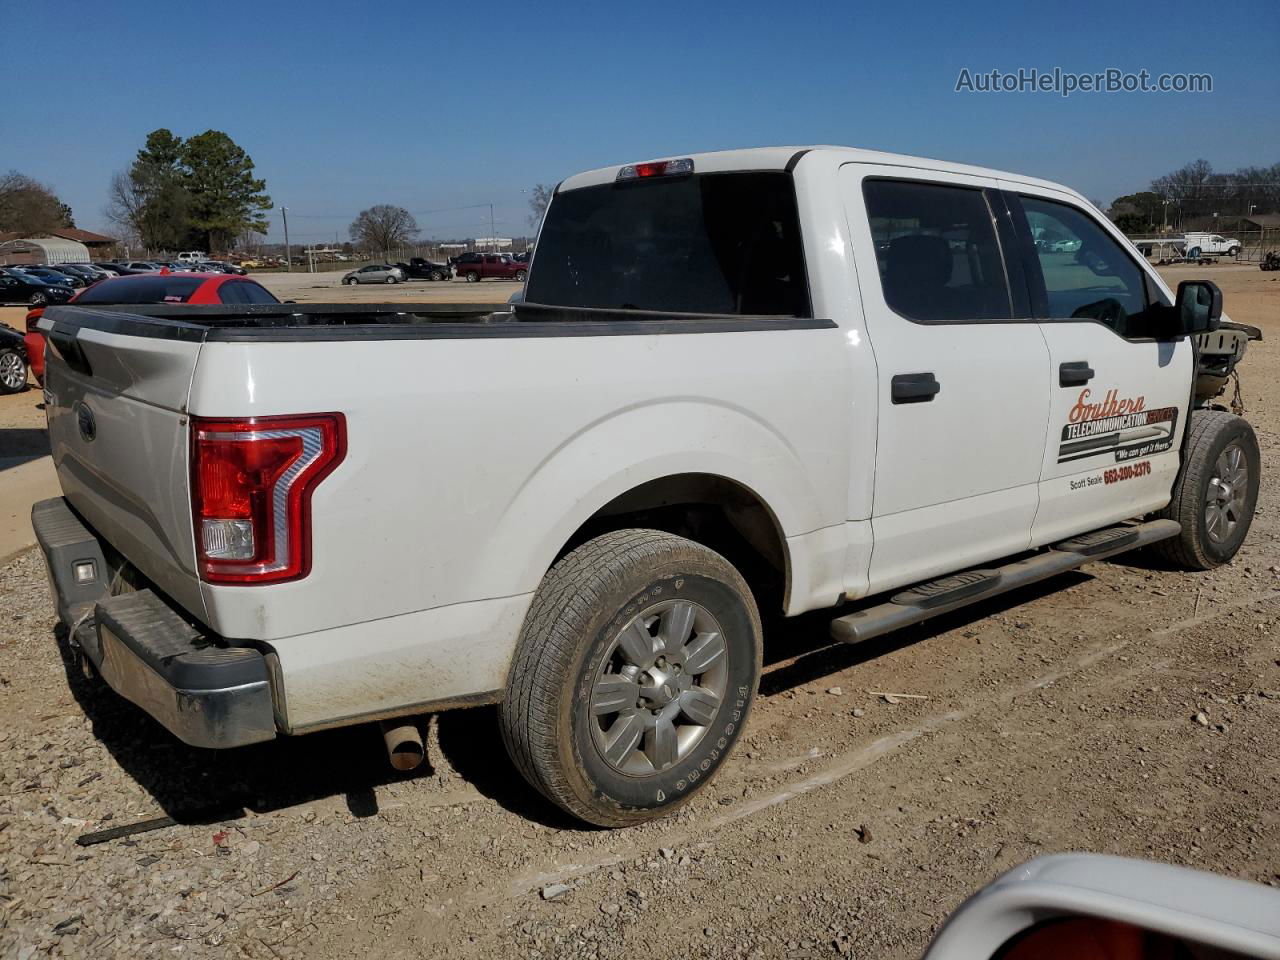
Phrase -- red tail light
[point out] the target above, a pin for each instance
(33, 317)
(251, 485)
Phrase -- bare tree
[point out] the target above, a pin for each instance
(125, 204)
(539, 200)
(384, 227)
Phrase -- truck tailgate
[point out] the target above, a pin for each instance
(116, 403)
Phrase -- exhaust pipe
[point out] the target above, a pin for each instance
(404, 745)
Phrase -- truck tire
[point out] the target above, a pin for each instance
(13, 371)
(522, 275)
(635, 672)
(1215, 493)
(472, 276)
(439, 275)
(1233, 252)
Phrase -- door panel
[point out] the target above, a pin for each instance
(957, 470)
(1120, 392)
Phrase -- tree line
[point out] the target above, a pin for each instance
(30, 207)
(1195, 191)
(194, 193)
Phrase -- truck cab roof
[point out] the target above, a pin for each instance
(788, 158)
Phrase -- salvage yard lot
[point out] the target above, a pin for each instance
(1063, 717)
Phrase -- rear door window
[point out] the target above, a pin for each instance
(937, 252)
(244, 292)
(714, 243)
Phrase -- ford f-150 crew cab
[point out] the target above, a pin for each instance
(765, 380)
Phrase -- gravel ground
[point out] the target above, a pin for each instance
(1125, 709)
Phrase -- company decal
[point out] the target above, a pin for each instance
(1115, 425)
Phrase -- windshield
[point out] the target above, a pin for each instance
(154, 288)
(716, 243)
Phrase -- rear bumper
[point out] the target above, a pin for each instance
(202, 691)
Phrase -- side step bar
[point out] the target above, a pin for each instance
(930, 599)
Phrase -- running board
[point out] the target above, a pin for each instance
(949, 593)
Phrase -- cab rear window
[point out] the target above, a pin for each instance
(142, 289)
(713, 243)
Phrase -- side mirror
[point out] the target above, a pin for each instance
(1091, 907)
(1198, 307)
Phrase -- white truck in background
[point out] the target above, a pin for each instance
(779, 378)
(1199, 245)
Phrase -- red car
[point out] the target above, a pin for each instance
(191, 288)
(481, 266)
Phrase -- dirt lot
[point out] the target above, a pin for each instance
(1059, 718)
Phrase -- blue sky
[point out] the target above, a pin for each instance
(436, 106)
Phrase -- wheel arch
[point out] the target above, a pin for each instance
(709, 472)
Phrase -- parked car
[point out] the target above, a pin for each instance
(484, 266)
(1210, 244)
(179, 288)
(782, 403)
(192, 256)
(19, 287)
(221, 266)
(375, 273)
(143, 266)
(112, 268)
(13, 361)
(82, 272)
(420, 269)
(56, 277)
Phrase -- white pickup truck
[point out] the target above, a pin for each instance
(780, 379)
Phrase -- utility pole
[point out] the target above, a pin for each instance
(288, 261)
(493, 230)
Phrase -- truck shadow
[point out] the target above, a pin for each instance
(193, 785)
(19, 445)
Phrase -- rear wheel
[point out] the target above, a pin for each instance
(391, 279)
(472, 276)
(1215, 493)
(13, 371)
(522, 275)
(636, 669)
(1233, 252)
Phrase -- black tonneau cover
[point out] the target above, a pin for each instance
(408, 321)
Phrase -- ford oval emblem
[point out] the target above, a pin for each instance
(86, 421)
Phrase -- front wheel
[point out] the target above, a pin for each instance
(522, 275)
(351, 281)
(1233, 252)
(39, 299)
(438, 275)
(634, 676)
(13, 371)
(1215, 493)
